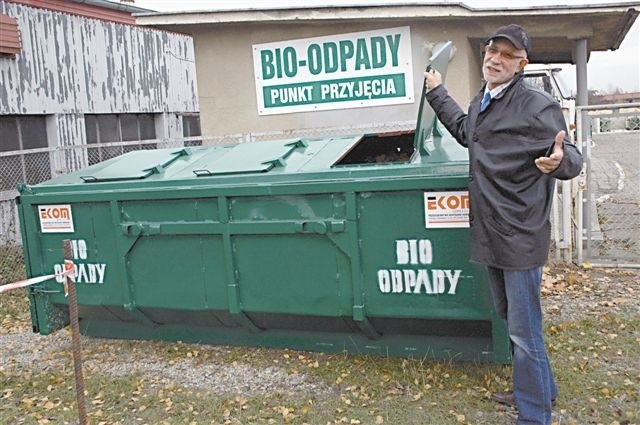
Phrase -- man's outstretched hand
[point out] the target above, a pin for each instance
(547, 164)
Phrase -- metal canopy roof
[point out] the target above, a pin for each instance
(552, 28)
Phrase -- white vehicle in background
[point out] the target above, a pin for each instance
(547, 78)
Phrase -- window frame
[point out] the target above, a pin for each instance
(26, 176)
(99, 150)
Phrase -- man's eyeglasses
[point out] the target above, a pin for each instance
(494, 51)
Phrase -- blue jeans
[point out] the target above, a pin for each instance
(516, 296)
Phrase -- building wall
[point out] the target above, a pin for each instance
(226, 74)
(69, 66)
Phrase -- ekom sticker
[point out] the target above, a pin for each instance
(446, 209)
(55, 218)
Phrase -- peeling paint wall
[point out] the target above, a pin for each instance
(65, 128)
(71, 64)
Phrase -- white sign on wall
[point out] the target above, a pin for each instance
(359, 69)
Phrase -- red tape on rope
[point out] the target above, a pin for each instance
(68, 271)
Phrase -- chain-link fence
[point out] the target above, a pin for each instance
(37, 165)
(611, 201)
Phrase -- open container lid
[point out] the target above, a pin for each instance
(426, 124)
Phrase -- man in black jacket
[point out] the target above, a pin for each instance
(517, 148)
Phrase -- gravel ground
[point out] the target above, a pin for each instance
(124, 358)
(573, 294)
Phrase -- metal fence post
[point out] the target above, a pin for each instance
(580, 196)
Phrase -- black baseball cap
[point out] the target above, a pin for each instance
(516, 36)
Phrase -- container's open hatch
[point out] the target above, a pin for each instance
(401, 146)
(380, 148)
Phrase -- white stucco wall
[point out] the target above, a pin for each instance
(226, 77)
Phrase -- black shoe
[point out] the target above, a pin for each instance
(508, 399)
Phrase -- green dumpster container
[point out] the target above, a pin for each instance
(354, 243)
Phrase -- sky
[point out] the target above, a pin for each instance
(606, 71)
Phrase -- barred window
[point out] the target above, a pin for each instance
(191, 128)
(23, 133)
(112, 128)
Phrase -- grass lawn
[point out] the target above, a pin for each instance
(592, 333)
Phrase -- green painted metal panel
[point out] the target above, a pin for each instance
(252, 158)
(185, 209)
(270, 285)
(142, 165)
(178, 275)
